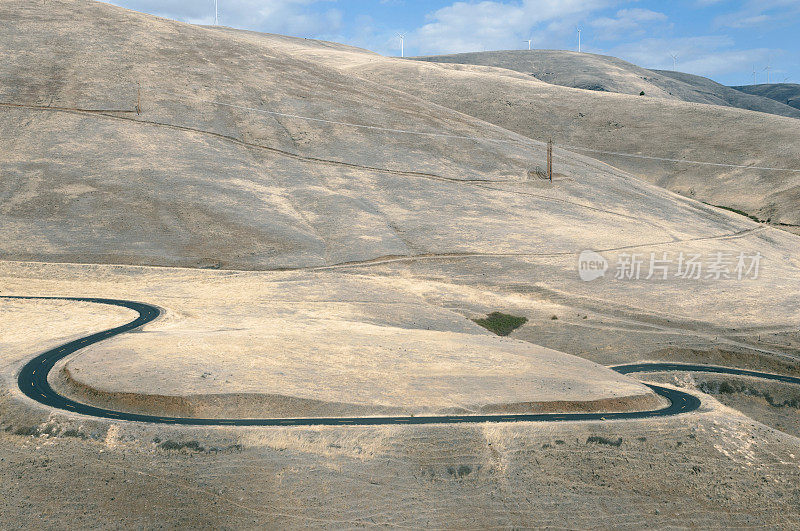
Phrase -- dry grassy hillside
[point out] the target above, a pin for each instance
(732, 97)
(621, 124)
(220, 170)
(787, 93)
(193, 182)
(387, 208)
(610, 74)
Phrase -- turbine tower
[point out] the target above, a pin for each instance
(769, 68)
(530, 43)
(674, 62)
(216, 12)
(754, 75)
(579, 38)
(402, 44)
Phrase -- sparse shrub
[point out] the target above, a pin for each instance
(736, 211)
(597, 439)
(729, 389)
(49, 429)
(460, 472)
(193, 446)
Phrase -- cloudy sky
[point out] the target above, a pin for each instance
(722, 39)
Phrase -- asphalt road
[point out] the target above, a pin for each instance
(33, 382)
(690, 367)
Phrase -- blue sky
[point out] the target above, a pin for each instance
(721, 39)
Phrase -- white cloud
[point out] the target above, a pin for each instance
(760, 13)
(464, 26)
(726, 62)
(626, 23)
(705, 56)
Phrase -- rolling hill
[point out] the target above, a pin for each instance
(786, 93)
(368, 215)
(610, 74)
(747, 160)
(260, 152)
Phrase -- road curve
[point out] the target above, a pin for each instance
(692, 367)
(33, 383)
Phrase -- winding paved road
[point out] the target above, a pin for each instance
(33, 382)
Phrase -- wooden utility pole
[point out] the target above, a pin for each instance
(550, 159)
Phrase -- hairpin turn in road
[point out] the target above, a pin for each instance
(33, 382)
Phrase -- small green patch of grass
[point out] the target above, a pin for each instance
(736, 211)
(501, 324)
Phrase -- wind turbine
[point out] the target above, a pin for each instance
(754, 75)
(530, 43)
(674, 61)
(579, 38)
(216, 12)
(402, 44)
(768, 68)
